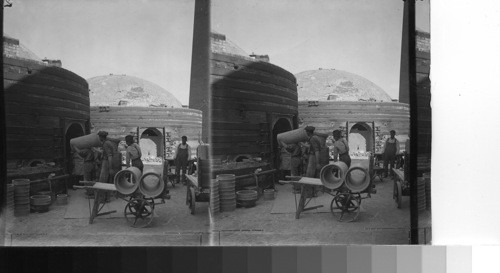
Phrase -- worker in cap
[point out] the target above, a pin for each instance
(111, 158)
(318, 153)
(390, 150)
(181, 159)
(341, 148)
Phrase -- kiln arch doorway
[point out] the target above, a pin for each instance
(74, 130)
(361, 138)
(280, 126)
(152, 143)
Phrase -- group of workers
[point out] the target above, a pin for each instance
(308, 158)
(103, 162)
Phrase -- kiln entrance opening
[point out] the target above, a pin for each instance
(152, 143)
(360, 138)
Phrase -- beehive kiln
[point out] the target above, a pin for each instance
(123, 105)
(332, 99)
(252, 101)
(46, 106)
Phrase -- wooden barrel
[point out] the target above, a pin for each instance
(151, 184)
(357, 178)
(269, 194)
(62, 199)
(127, 181)
(227, 193)
(333, 175)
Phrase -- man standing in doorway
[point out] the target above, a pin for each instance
(181, 159)
(390, 150)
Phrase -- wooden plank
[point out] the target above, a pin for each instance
(305, 181)
(104, 186)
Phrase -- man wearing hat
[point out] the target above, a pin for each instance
(390, 150)
(111, 158)
(318, 153)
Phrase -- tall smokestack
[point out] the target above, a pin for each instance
(199, 94)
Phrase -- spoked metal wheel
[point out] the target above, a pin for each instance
(345, 206)
(139, 212)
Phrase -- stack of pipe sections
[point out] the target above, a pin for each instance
(21, 197)
(227, 191)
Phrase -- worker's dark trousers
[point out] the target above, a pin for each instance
(181, 163)
(295, 166)
(389, 159)
(88, 171)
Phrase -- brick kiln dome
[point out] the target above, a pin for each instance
(221, 45)
(14, 49)
(337, 85)
(114, 90)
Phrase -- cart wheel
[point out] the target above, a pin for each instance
(139, 212)
(192, 198)
(398, 194)
(345, 206)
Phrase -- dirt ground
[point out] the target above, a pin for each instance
(379, 222)
(174, 226)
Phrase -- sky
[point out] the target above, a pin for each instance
(358, 36)
(152, 39)
(149, 39)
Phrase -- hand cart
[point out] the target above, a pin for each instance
(196, 192)
(139, 210)
(345, 204)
